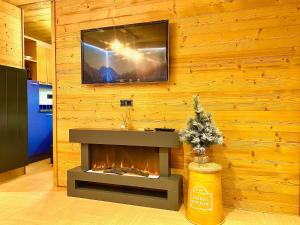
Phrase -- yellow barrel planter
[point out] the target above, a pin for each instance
(204, 204)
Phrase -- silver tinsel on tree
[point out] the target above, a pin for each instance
(201, 131)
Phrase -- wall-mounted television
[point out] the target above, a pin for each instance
(134, 53)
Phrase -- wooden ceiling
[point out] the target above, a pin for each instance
(23, 2)
(37, 18)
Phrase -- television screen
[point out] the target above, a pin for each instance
(125, 54)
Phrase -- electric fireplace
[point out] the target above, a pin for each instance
(123, 166)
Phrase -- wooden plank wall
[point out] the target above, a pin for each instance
(11, 35)
(241, 57)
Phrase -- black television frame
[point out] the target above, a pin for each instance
(122, 26)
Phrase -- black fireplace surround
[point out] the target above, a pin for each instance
(163, 192)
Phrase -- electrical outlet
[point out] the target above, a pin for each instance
(125, 102)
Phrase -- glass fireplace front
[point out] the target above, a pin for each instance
(125, 160)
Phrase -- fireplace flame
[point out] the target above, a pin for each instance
(147, 166)
(104, 166)
(122, 162)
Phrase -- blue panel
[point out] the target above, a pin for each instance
(39, 124)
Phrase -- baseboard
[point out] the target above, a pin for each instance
(11, 174)
(39, 157)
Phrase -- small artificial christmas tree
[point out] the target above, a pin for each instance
(201, 132)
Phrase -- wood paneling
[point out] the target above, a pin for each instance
(37, 20)
(11, 35)
(5, 176)
(40, 65)
(23, 2)
(43, 64)
(49, 65)
(241, 57)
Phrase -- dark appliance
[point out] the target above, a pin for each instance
(13, 118)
